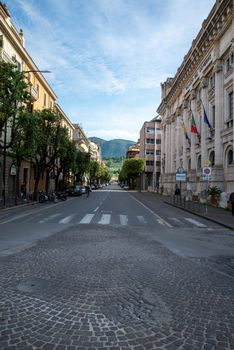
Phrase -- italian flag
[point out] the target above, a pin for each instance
(193, 126)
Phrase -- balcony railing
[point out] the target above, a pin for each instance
(33, 92)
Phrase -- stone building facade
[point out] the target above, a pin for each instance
(197, 108)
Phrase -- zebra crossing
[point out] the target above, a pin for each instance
(108, 218)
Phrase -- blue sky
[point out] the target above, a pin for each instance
(109, 57)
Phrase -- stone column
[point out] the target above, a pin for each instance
(163, 136)
(169, 148)
(218, 114)
(166, 149)
(204, 98)
(193, 136)
(178, 128)
(185, 115)
(173, 145)
(232, 50)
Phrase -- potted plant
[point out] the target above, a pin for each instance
(214, 193)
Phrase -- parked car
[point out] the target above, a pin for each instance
(74, 190)
(83, 189)
(126, 187)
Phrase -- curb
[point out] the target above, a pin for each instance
(202, 216)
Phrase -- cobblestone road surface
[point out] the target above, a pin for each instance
(112, 288)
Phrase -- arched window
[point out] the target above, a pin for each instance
(199, 162)
(189, 164)
(229, 157)
(212, 158)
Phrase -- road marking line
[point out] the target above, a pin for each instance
(87, 219)
(151, 211)
(30, 212)
(141, 219)
(195, 222)
(176, 220)
(49, 217)
(96, 209)
(66, 220)
(105, 219)
(123, 219)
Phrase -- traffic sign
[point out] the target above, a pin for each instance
(206, 162)
(180, 176)
(206, 171)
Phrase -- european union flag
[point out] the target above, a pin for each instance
(206, 120)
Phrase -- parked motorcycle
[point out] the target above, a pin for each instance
(61, 195)
(42, 197)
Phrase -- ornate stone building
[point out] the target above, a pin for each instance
(197, 107)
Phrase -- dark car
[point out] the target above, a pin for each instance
(74, 191)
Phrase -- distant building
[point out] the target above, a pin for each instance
(133, 151)
(81, 140)
(95, 151)
(150, 151)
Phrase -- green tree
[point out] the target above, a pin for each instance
(67, 162)
(13, 100)
(131, 169)
(94, 171)
(82, 165)
(47, 138)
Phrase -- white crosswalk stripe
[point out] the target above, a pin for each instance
(49, 218)
(87, 219)
(105, 219)
(195, 222)
(123, 220)
(141, 219)
(66, 220)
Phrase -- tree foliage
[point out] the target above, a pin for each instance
(131, 169)
(13, 99)
(82, 165)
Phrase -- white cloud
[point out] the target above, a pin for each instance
(100, 49)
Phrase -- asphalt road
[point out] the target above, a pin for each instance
(113, 272)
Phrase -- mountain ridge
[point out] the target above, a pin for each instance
(113, 148)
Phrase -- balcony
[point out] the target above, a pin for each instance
(33, 93)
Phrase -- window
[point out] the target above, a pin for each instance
(150, 141)
(38, 91)
(230, 105)
(149, 130)
(212, 81)
(158, 152)
(44, 99)
(150, 162)
(228, 65)
(158, 163)
(149, 152)
(158, 141)
(230, 157)
(213, 116)
(212, 158)
(199, 162)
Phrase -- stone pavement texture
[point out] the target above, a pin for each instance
(112, 289)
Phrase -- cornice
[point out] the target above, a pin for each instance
(14, 38)
(212, 29)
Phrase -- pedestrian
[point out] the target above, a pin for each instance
(88, 190)
(23, 191)
(177, 191)
(231, 200)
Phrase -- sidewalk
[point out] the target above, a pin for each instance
(217, 215)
